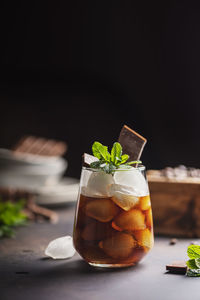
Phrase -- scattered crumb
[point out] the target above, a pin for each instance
(173, 241)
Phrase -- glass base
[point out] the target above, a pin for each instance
(111, 265)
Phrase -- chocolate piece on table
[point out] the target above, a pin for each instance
(87, 159)
(177, 267)
(132, 143)
(40, 146)
(173, 241)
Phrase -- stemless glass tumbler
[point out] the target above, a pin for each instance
(113, 224)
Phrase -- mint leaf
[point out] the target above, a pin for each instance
(96, 164)
(134, 162)
(191, 264)
(193, 272)
(104, 153)
(95, 149)
(197, 262)
(100, 151)
(108, 168)
(110, 162)
(124, 167)
(116, 153)
(124, 158)
(10, 216)
(193, 251)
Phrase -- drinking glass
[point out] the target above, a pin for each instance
(113, 224)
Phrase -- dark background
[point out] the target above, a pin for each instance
(79, 70)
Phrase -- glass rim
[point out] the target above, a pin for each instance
(140, 168)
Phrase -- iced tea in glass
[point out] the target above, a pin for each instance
(113, 224)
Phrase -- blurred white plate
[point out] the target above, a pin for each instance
(65, 191)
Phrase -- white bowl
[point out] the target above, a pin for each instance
(29, 171)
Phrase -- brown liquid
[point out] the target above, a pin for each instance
(105, 234)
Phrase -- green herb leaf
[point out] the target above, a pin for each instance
(96, 164)
(191, 264)
(110, 162)
(193, 251)
(134, 162)
(116, 153)
(197, 262)
(124, 158)
(193, 272)
(10, 216)
(124, 167)
(100, 151)
(95, 149)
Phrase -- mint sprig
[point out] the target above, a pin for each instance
(109, 162)
(193, 263)
(193, 272)
(193, 251)
(11, 216)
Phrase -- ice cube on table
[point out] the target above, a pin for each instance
(133, 179)
(60, 248)
(123, 196)
(99, 184)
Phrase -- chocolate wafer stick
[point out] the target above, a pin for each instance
(132, 143)
(23, 144)
(32, 145)
(59, 149)
(40, 146)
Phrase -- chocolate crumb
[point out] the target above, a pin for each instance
(173, 241)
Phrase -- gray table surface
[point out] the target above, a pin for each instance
(25, 272)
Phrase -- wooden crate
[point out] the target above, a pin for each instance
(176, 206)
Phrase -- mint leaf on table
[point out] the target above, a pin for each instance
(109, 162)
(193, 251)
(11, 216)
(193, 272)
(197, 262)
(191, 264)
